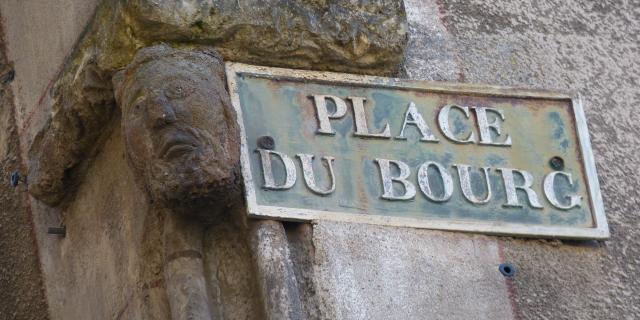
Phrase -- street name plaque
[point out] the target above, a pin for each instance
(496, 160)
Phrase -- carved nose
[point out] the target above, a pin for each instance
(162, 112)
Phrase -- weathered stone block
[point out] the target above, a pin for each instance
(336, 35)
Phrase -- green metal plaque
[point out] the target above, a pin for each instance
(319, 145)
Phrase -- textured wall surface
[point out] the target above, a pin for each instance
(588, 47)
(21, 288)
(355, 271)
(38, 35)
(385, 273)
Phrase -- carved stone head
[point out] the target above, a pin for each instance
(179, 129)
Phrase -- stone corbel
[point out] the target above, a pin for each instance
(336, 35)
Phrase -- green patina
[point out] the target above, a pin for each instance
(540, 129)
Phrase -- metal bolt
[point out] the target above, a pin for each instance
(266, 142)
(507, 269)
(556, 163)
(62, 231)
(15, 178)
(8, 76)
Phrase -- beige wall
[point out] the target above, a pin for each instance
(38, 35)
(361, 271)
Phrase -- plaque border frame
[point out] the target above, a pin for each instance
(599, 231)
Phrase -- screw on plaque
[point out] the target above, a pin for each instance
(556, 163)
(61, 231)
(507, 269)
(266, 142)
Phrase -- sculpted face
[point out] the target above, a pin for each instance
(180, 132)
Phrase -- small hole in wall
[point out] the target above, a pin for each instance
(507, 269)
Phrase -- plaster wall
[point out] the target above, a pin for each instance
(586, 47)
(352, 271)
(38, 36)
(21, 294)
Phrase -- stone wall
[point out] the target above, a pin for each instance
(352, 271)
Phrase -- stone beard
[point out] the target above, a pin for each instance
(179, 130)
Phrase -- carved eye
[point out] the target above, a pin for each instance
(177, 91)
(137, 106)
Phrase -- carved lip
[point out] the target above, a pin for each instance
(176, 144)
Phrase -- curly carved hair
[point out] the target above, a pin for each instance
(201, 55)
